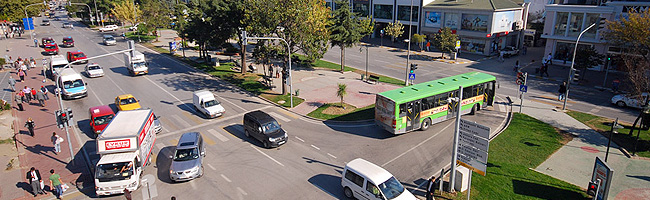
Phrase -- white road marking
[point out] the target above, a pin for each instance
(211, 167)
(226, 178)
(267, 156)
(218, 135)
(331, 155)
(170, 94)
(242, 191)
(381, 61)
(315, 147)
(226, 100)
(411, 149)
(276, 115)
(183, 122)
(300, 139)
(502, 108)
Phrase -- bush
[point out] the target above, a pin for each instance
(2, 61)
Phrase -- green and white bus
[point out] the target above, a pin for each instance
(418, 106)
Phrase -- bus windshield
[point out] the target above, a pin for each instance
(114, 171)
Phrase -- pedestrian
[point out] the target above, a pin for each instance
(21, 74)
(35, 42)
(33, 94)
(516, 68)
(562, 91)
(56, 141)
(524, 50)
(30, 126)
(549, 59)
(278, 70)
(32, 63)
(428, 45)
(23, 66)
(501, 56)
(12, 83)
(55, 182)
(430, 188)
(544, 70)
(271, 70)
(28, 94)
(40, 97)
(19, 101)
(34, 178)
(615, 84)
(45, 91)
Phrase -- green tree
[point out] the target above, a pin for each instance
(342, 92)
(123, 11)
(445, 40)
(419, 39)
(394, 30)
(14, 10)
(346, 29)
(212, 22)
(155, 14)
(589, 57)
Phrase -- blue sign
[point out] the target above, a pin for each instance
(523, 88)
(28, 24)
(172, 46)
(411, 76)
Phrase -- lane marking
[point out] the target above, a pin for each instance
(411, 149)
(267, 155)
(211, 167)
(299, 139)
(226, 100)
(276, 115)
(315, 147)
(209, 141)
(288, 113)
(594, 110)
(179, 120)
(242, 191)
(218, 135)
(226, 178)
(331, 155)
(170, 94)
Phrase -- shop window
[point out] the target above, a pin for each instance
(403, 13)
(560, 23)
(383, 11)
(575, 24)
(362, 9)
(591, 18)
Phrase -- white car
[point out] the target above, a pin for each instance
(67, 25)
(628, 100)
(108, 28)
(109, 40)
(94, 70)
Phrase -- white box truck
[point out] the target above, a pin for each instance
(125, 148)
(136, 64)
(205, 103)
(57, 63)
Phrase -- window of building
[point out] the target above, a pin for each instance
(403, 13)
(472, 45)
(591, 18)
(362, 8)
(575, 23)
(561, 19)
(564, 50)
(383, 11)
(451, 20)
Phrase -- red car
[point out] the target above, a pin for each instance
(51, 49)
(67, 42)
(46, 40)
(76, 55)
(100, 116)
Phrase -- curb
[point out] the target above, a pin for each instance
(508, 119)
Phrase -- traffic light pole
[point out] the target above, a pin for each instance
(573, 61)
(521, 102)
(408, 51)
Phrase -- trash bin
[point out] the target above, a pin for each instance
(453, 55)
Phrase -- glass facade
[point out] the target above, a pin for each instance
(472, 45)
(575, 24)
(451, 20)
(403, 13)
(591, 18)
(560, 23)
(362, 8)
(564, 50)
(383, 11)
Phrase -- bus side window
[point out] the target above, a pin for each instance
(425, 104)
(480, 89)
(402, 110)
(467, 92)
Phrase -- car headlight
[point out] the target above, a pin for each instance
(194, 170)
(133, 184)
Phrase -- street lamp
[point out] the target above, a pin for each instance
(367, 55)
(89, 11)
(573, 61)
(96, 13)
(408, 51)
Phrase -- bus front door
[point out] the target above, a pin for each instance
(413, 115)
(453, 105)
(489, 92)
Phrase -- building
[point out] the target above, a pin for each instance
(566, 19)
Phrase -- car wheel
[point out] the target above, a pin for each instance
(621, 104)
(426, 124)
(348, 192)
(266, 144)
(246, 133)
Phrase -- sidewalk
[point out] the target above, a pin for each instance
(574, 161)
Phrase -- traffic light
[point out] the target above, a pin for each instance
(575, 74)
(63, 116)
(413, 68)
(521, 78)
(69, 114)
(602, 24)
(592, 190)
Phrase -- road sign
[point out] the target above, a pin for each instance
(472, 153)
(604, 173)
(523, 88)
(473, 165)
(28, 23)
(474, 128)
(457, 44)
(411, 76)
(474, 141)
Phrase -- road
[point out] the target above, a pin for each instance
(308, 166)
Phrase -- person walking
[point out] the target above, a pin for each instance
(271, 71)
(34, 178)
(544, 70)
(56, 141)
(45, 91)
(55, 183)
(28, 94)
(12, 83)
(35, 43)
(562, 91)
(430, 188)
(19, 101)
(549, 59)
(33, 93)
(21, 74)
(501, 53)
(278, 70)
(516, 68)
(40, 97)
(428, 45)
(524, 50)
(615, 84)
(30, 126)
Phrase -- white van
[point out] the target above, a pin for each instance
(204, 102)
(364, 180)
(57, 63)
(72, 85)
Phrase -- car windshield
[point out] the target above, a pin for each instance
(73, 84)
(128, 101)
(139, 65)
(93, 67)
(109, 38)
(270, 127)
(58, 66)
(66, 24)
(48, 41)
(211, 103)
(68, 40)
(101, 120)
(50, 47)
(186, 154)
(114, 171)
(46, 20)
(79, 55)
(391, 188)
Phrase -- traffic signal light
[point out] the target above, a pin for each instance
(69, 114)
(413, 68)
(592, 190)
(575, 75)
(521, 78)
(63, 116)
(602, 24)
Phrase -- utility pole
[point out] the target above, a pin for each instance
(573, 60)
(454, 153)
(408, 51)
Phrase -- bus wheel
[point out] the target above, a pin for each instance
(426, 124)
(473, 110)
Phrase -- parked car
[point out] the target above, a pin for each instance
(76, 55)
(109, 40)
(266, 129)
(629, 100)
(108, 28)
(127, 102)
(67, 42)
(187, 161)
(46, 22)
(93, 70)
(510, 51)
(67, 25)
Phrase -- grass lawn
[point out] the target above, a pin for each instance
(277, 97)
(525, 144)
(603, 125)
(364, 113)
(143, 38)
(337, 67)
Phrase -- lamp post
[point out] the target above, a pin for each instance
(89, 11)
(31, 35)
(573, 61)
(288, 54)
(367, 55)
(96, 13)
(408, 50)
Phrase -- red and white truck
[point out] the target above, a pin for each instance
(125, 147)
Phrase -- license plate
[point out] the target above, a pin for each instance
(281, 142)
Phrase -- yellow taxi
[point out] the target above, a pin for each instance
(127, 102)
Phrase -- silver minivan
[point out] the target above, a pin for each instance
(187, 161)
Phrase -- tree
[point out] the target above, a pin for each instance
(341, 92)
(155, 14)
(634, 36)
(14, 10)
(394, 30)
(123, 11)
(346, 29)
(445, 40)
(419, 39)
(589, 57)
(211, 23)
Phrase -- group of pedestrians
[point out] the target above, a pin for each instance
(27, 94)
(277, 69)
(38, 186)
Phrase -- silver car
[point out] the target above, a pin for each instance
(187, 161)
(109, 40)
